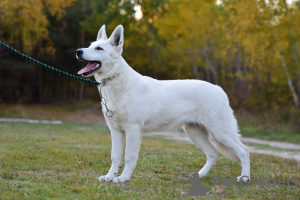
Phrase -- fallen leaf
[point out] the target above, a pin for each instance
(219, 190)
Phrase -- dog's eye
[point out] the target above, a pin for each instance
(98, 48)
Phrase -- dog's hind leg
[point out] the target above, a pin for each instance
(229, 144)
(200, 137)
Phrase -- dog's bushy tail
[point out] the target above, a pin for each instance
(228, 153)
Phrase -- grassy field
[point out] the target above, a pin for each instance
(39, 161)
(278, 133)
(283, 126)
(269, 126)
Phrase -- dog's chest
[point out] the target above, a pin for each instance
(119, 104)
(119, 119)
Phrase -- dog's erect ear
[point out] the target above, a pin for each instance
(102, 33)
(117, 38)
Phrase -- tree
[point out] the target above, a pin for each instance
(22, 22)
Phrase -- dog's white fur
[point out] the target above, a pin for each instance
(140, 103)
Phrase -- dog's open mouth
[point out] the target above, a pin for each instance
(90, 68)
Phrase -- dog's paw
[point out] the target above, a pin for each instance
(201, 174)
(243, 178)
(105, 178)
(121, 179)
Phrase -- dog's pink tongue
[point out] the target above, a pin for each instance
(88, 68)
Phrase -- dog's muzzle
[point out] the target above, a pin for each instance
(91, 67)
(79, 53)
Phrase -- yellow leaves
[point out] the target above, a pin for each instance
(57, 7)
(191, 26)
(27, 21)
(185, 23)
(24, 21)
(150, 43)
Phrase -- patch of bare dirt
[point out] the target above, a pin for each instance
(91, 115)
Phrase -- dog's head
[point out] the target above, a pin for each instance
(103, 53)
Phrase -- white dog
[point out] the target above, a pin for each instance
(140, 103)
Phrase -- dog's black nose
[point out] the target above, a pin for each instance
(79, 52)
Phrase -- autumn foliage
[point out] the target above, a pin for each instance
(250, 47)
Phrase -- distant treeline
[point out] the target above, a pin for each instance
(250, 48)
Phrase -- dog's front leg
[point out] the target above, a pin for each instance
(133, 141)
(118, 139)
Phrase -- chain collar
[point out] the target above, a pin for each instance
(108, 112)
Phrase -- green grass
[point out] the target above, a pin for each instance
(39, 161)
(268, 147)
(276, 126)
(276, 133)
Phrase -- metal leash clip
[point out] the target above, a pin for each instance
(108, 112)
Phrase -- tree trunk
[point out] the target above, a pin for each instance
(230, 69)
(154, 58)
(215, 60)
(224, 75)
(244, 65)
(212, 68)
(40, 85)
(207, 74)
(296, 54)
(287, 74)
(81, 85)
(195, 70)
(238, 67)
